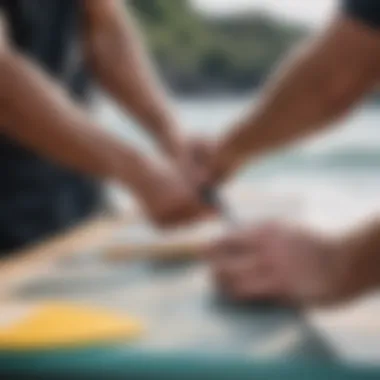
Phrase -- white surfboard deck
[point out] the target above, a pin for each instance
(245, 205)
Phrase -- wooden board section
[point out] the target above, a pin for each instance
(38, 259)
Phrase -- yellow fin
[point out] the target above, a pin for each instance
(56, 325)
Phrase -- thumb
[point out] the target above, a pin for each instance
(202, 154)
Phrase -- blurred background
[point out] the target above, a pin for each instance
(214, 56)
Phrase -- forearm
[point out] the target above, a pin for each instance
(119, 61)
(316, 86)
(360, 254)
(38, 114)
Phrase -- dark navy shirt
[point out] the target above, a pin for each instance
(366, 11)
(37, 197)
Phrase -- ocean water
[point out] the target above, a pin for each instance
(331, 180)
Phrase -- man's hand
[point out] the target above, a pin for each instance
(286, 264)
(195, 162)
(168, 198)
(39, 114)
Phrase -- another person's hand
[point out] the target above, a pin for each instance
(208, 166)
(168, 198)
(286, 264)
(196, 162)
(193, 161)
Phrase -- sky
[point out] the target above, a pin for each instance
(313, 12)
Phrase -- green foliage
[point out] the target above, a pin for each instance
(195, 53)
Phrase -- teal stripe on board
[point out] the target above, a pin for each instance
(114, 363)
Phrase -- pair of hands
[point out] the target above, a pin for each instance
(291, 265)
(273, 261)
(172, 194)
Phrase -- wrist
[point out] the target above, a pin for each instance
(165, 130)
(358, 262)
(146, 178)
(171, 142)
(223, 162)
(133, 170)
